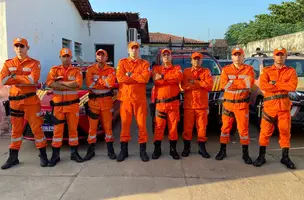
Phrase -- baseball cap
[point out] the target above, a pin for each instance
(132, 44)
(166, 50)
(102, 51)
(237, 50)
(280, 50)
(65, 51)
(21, 41)
(196, 54)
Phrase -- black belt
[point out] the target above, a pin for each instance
(238, 101)
(167, 100)
(280, 96)
(94, 96)
(21, 96)
(65, 103)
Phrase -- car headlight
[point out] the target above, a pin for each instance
(293, 96)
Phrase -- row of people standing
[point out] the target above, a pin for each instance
(132, 75)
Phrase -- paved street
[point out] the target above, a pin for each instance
(188, 178)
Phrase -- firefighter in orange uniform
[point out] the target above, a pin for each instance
(100, 79)
(236, 81)
(22, 74)
(197, 81)
(277, 81)
(65, 80)
(133, 74)
(167, 78)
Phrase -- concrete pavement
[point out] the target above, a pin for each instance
(188, 178)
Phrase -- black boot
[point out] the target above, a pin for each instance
(173, 151)
(43, 157)
(12, 159)
(123, 152)
(222, 154)
(75, 155)
(143, 154)
(202, 150)
(261, 159)
(187, 147)
(157, 150)
(111, 153)
(55, 157)
(90, 152)
(246, 156)
(285, 159)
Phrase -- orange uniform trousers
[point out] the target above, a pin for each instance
(72, 119)
(161, 118)
(139, 110)
(269, 118)
(242, 120)
(105, 117)
(32, 113)
(200, 118)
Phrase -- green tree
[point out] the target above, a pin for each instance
(284, 18)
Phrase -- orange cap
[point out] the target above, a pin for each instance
(196, 54)
(65, 51)
(20, 41)
(132, 44)
(237, 50)
(102, 51)
(166, 50)
(280, 50)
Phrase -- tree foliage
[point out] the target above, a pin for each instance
(284, 18)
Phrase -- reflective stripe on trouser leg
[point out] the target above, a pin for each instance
(189, 120)
(140, 112)
(126, 114)
(226, 128)
(242, 120)
(93, 127)
(106, 120)
(284, 125)
(17, 129)
(267, 128)
(35, 119)
(160, 124)
(173, 119)
(201, 116)
(72, 120)
(58, 129)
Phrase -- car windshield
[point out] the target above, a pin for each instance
(297, 64)
(224, 63)
(207, 63)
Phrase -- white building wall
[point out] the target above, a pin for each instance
(49, 22)
(3, 31)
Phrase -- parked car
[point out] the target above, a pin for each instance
(261, 60)
(45, 95)
(223, 63)
(183, 58)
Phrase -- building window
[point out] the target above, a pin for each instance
(78, 49)
(66, 43)
(132, 34)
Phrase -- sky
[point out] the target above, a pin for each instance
(196, 19)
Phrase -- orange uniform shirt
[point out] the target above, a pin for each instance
(27, 76)
(167, 87)
(286, 81)
(237, 84)
(97, 80)
(68, 74)
(196, 95)
(133, 89)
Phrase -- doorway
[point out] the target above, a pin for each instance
(110, 49)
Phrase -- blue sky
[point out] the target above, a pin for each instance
(189, 18)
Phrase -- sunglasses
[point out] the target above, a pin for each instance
(19, 45)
